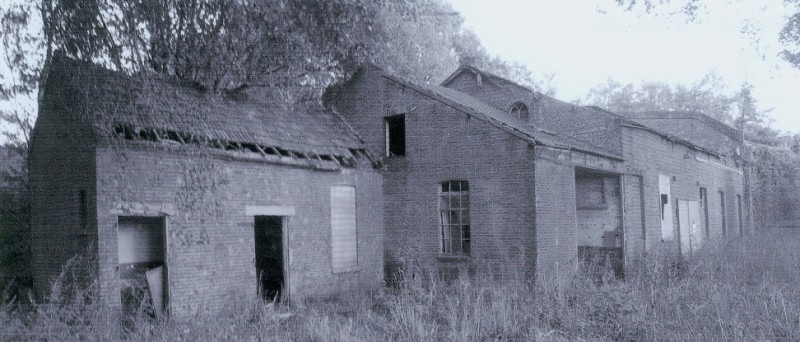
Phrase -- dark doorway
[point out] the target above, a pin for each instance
(268, 231)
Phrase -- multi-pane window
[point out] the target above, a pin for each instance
(454, 217)
(519, 110)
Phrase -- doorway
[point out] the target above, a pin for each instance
(141, 247)
(691, 236)
(268, 233)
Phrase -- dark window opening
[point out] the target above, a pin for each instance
(664, 202)
(519, 110)
(83, 210)
(395, 135)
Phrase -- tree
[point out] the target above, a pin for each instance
(702, 96)
(691, 10)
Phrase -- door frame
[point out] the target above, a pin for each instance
(164, 230)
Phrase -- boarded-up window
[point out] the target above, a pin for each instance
(344, 245)
(454, 217)
(590, 193)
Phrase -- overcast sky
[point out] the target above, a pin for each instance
(583, 44)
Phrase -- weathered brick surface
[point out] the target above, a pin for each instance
(646, 155)
(556, 221)
(444, 144)
(60, 166)
(649, 155)
(210, 241)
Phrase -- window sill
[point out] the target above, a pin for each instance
(453, 258)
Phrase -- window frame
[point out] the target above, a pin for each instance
(519, 110)
(454, 216)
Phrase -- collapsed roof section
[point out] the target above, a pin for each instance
(149, 108)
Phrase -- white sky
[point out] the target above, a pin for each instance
(583, 46)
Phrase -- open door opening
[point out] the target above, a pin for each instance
(268, 232)
(142, 265)
(598, 205)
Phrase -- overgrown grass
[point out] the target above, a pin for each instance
(746, 289)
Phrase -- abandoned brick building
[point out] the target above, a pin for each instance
(185, 190)
(482, 170)
(203, 198)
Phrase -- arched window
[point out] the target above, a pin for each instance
(519, 110)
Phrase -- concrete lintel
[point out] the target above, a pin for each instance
(142, 209)
(268, 210)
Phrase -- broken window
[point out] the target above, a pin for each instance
(590, 193)
(344, 242)
(519, 110)
(454, 217)
(395, 135)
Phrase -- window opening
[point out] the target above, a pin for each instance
(519, 110)
(83, 210)
(395, 135)
(454, 217)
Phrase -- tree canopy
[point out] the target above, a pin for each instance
(222, 46)
(707, 96)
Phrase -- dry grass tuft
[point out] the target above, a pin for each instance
(742, 290)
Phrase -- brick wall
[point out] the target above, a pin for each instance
(649, 155)
(545, 112)
(444, 144)
(210, 241)
(61, 164)
(556, 235)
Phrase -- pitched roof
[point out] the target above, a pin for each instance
(501, 119)
(553, 104)
(152, 106)
(10, 163)
(710, 133)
